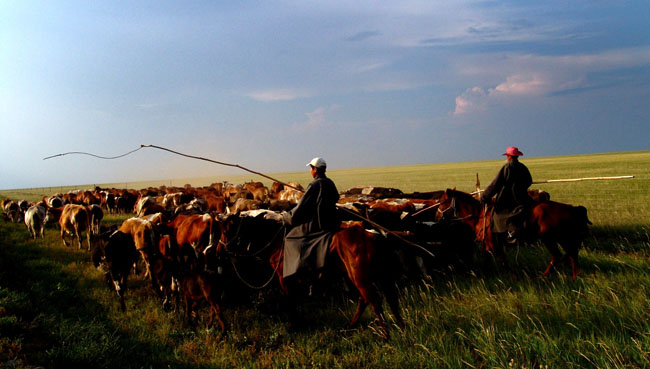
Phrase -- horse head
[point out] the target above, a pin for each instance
(457, 205)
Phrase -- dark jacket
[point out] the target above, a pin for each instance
(314, 221)
(511, 189)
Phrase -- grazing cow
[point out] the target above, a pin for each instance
(74, 220)
(96, 215)
(34, 220)
(114, 254)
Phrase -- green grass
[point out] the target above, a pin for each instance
(55, 310)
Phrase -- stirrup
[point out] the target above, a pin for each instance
(512, 237)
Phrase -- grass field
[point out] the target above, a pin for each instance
(55, 310)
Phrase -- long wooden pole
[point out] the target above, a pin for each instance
(423, 249)
(582, 179)
(571, 180)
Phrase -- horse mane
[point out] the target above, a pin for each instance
(461, 195)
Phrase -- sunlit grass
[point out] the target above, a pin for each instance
(56, 310)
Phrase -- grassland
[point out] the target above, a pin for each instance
(55, 311)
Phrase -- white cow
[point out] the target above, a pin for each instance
(34, 220)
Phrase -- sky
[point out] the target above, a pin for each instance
(271, 84)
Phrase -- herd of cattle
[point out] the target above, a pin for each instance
(177, 231)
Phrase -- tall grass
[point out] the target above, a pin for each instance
(55, 310)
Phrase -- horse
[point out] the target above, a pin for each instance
(352, 249)
(550, 222)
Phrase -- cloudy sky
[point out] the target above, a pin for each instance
(271, 84)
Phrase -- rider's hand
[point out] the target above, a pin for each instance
(286, 218)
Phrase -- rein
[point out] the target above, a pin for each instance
(233, 255)
(275, 271)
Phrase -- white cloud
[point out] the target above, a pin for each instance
(470, 100)
(277, 95)
(526, 76)
(316, 119)
(520, 84)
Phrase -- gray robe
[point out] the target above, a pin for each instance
(314, 221)
(512, 201)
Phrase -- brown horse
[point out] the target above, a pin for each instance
(551, 222)
(352, 249)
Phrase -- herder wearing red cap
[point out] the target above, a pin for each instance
(512, 201)
(313, 222)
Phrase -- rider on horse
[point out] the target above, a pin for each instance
(512, 202)
(314, 221)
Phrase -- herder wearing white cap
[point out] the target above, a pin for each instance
(512, 201)
(313, 222)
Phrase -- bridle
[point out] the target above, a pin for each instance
(453, 207)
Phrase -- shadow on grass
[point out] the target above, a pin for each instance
(49, 322)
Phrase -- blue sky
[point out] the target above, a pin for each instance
(269, 85)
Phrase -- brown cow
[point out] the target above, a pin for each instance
(197, 286)
(74, 220)
(144, 237)
(275, 190)
(215, 203)
(258, 190)
(195, 234)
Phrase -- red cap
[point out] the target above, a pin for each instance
(513, 151)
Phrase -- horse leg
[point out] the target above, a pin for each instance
(369, 296)
(216, 312)
(361, 307)
(551, 246)
(392, 297)
(571, 249)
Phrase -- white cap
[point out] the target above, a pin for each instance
(318, 163)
